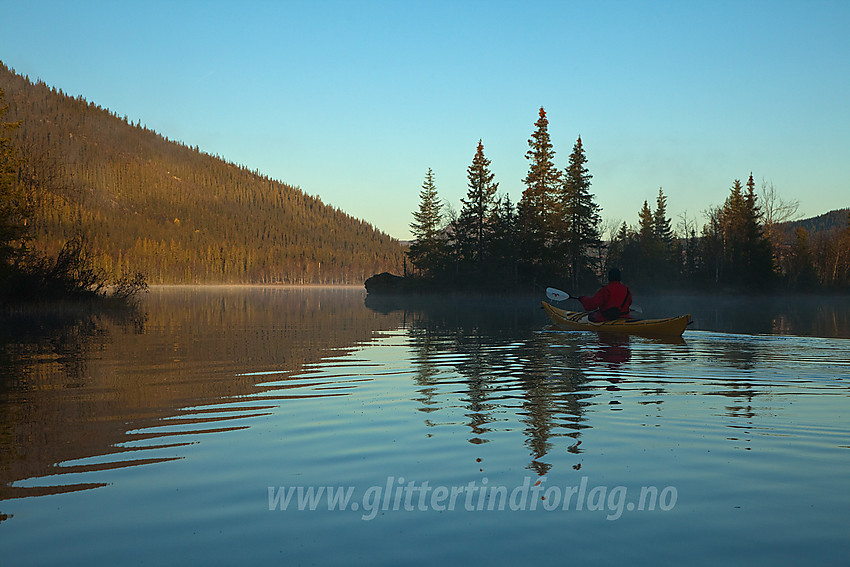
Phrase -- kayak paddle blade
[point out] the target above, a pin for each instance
(556, 294)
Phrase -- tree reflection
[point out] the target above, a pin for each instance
(44, 353)
(506, 365)
(77, 383)
(512, 370)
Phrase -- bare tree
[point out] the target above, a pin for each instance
(775, 210)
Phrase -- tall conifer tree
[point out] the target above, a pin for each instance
(759, 251)
(734, 240)
(474, 225)
(648, 244)
(580, 214)
(426, 250)
(538, 208)
(661, 224)
(646, 228)
(667, 255)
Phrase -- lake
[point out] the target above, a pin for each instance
(315, 426)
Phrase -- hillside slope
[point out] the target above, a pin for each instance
(149, 204)
(831, 222)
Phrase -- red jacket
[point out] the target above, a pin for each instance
(613, 301)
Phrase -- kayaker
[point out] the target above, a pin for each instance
(612, 301)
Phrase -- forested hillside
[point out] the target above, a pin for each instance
(173, 212)
(833, 221)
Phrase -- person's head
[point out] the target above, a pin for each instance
(614, 275)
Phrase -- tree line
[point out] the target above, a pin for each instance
(554, 235)
(144, 203)
(26, 273)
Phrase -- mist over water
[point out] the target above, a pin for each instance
(174, 434)
(810, 315)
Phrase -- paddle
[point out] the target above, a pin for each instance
(558, 295)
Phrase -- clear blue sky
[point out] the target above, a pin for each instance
(354, 100)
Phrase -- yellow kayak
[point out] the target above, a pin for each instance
(578, 321)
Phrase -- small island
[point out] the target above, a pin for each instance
(555, 236)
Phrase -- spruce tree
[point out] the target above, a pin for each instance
(646, 229)
(759, 251)
(538, 208)
(661, 224)
(647, 245)
(474, 222)
(667, 265)
(427, 248)
(734, 244)
(579, 215)
(733, 219)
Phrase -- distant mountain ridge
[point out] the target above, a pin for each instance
(828, 222)
(149, 204)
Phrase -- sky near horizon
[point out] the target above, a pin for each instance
(353, 101)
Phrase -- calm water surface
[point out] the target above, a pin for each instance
(278, 426)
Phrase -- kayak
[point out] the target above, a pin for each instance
(578, 321)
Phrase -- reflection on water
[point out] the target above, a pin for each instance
(186, 412)
(192, 351)
(495, 346)
(812, 315)
(74, 382)
(48, 405)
